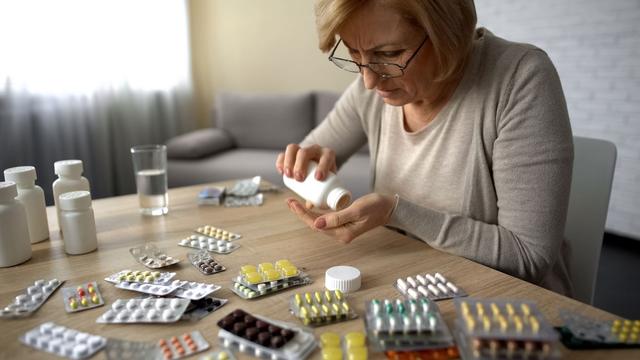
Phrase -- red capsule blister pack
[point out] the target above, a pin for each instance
(82, 297)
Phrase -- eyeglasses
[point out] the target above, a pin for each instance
(384, 70)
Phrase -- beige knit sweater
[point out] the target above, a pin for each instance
(489, 178)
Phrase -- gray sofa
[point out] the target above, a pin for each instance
(251, 130)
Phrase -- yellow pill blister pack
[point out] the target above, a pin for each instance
(352, 346)
(321, 307)
(503, 329)
(217, 233)
(267, 273)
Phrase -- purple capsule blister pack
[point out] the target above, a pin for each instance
(64, 342)
(149, 310)
(32, 298)
(195, 291)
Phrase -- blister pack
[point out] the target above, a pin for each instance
(267, 273)
(149, 277)
(216, 233)
(209, 244)
(31, 299)
(433, 287)
(149, 310)
(353, 346)
(185, 345)
(205, 263)
(198, 309)
(151, 289)
(249, 293)
(83, 297)
(581, 332)
(211, 196)
(261, 337)
(489, 329)
(194, 290)
(406, 325)
(245, 187)
(150, 256)
(321, 308)
(239, 201)
(117, 349)
(62, 341)
(218, 355)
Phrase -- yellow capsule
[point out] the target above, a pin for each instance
(464, 307)
(315, 310)
(304, 312)
(265, 266)
(526, 310)
(510, 310)
(495, 309)
(327, 295)
(518, 323)
(330, 339)
(298, 300)
(248, 269)
(223, 355)
(84, 301)
(504, 324)
(338, 294)
(346, 307)
(486, 323)
(94, 299)
(336, 308)
(331, 353)
(479, 310)
(616, 323)
(471, 323)
(307, 296)
(318, 296)
(253, 278)
(358, 353)
(73, 303)
(325, 309)
(354, 339)
(535, 325)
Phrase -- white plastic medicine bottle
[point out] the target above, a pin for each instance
(32, 197)
(326, 193)
(69, 179)
(15, 246)
(77, 222)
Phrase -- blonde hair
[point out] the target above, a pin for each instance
(450, 25)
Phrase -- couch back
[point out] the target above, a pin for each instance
(271, 121)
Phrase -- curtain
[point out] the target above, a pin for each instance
(88, 79)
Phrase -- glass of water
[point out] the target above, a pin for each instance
(150, 167)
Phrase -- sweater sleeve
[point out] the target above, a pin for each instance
(342, 130)
(531, 166)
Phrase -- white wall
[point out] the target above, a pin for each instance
(595, 46)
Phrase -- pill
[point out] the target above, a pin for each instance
(442, 288)
(411, 281)
(421, 279)
(330, 339)
(441, 278)
(433, 290)
(452, 287)
(430, 278)
(413, 293)
(402, 285)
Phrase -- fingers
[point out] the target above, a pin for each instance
(338, 218)
(308, 204)
(303, 157)
(280, 163)
(326, 164)
(290, 159)
(295, 160)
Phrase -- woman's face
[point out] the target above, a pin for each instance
(379, 34)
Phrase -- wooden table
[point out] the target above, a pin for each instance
(270, 232)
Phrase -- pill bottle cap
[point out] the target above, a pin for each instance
(74, 200)
(339, 198)
(71, 168)
(8, 191)
(21, 175)
(343, 278)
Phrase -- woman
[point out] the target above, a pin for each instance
(469, 136)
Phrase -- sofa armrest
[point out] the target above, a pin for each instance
(199, 144)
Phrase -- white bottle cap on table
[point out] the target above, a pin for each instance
(68, 167)
(343, 278)
(8, 190)
(75, 200)
(20, 174)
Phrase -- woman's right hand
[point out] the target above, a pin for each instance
(294, 161)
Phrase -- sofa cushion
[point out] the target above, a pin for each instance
(199, 143)
(325, 100)
(265, 121)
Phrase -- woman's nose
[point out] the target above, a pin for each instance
(370, 78)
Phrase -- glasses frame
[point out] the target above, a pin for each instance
(360, 66)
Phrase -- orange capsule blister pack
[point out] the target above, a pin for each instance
(181, 346)
(82, 297)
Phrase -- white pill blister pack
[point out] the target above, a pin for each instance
(149, 277)
(195, 291)
(433, 287)
(202, 242)
(150, 256)
(151, 289)
(32, 298)
(149, 310)
(64, 342)
(217, 233)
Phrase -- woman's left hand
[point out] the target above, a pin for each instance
(364, 214)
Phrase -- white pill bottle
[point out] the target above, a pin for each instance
(15, 245)
(69, 179)
(77, 222)
(323, 194)
(32, 197)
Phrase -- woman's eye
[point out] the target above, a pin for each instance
(389, 54)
